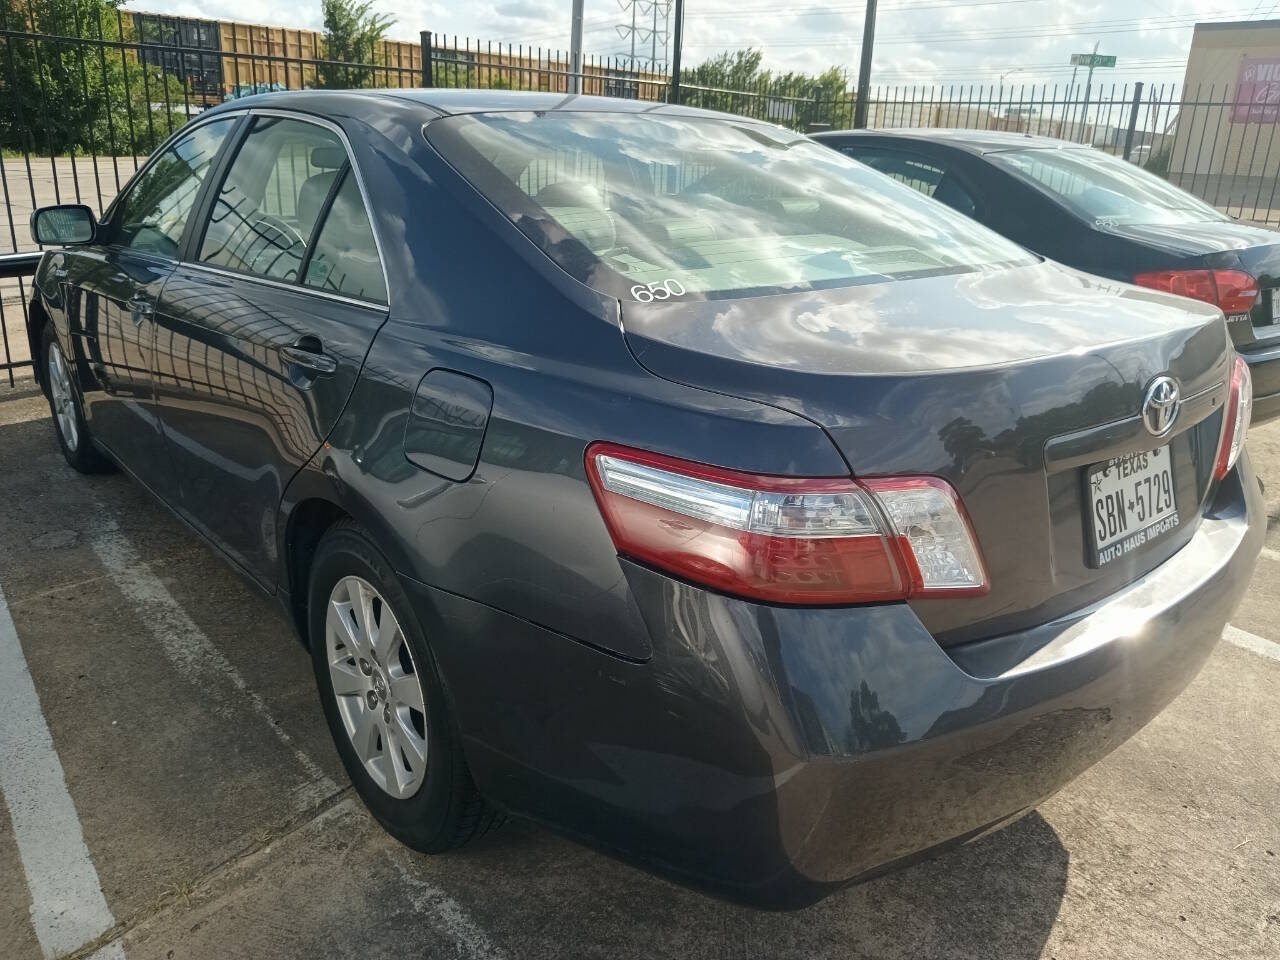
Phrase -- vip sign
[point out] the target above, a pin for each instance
(1258, 92)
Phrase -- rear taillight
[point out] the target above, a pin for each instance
(1236, 418)
(793, 540)
(1232, 291)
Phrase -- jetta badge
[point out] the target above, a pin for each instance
(1160, 406)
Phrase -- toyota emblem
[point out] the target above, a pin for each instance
(1160, 407)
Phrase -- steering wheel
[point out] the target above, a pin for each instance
(286, 231)
(278, 238)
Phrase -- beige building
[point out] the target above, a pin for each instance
(1229, 126)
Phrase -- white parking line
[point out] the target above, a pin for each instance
(1252, 642)
(1269, 554)
(68, 908)
(194, 655)
(447, 916)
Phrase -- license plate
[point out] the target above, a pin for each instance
(1131, 502)
(1275, 305)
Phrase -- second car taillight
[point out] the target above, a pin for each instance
(1235, 426)
(827, 540)
(1232, 291)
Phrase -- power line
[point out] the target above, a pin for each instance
(1016, 33)
(740, 13)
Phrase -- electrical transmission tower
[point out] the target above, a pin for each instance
(646, 27)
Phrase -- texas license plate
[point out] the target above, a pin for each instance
(1131, 502)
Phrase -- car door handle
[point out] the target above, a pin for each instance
(308, 354)
(139, 309)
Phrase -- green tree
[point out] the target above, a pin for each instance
(63, 97)
(736, 81)
(352, 32)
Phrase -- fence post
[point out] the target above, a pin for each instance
(1133, 119)
(673, 94)
(427, 71)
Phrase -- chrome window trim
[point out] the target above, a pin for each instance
(284, 285)
(364, 198)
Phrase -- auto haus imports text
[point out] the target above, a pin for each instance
(1129, 544)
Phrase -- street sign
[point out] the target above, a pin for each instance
(1093, 60)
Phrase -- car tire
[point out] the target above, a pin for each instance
(69, 424)
(365, 680)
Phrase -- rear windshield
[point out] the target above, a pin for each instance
(649, 207)
(1105, 189)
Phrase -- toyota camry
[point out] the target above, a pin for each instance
(658, 475)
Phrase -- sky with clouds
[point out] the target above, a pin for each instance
(918, 41)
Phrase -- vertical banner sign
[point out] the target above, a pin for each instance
(1257, 91)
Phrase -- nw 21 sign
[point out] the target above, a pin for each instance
(1258, 92)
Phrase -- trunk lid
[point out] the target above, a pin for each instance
(1230, 244)
(1006, 383)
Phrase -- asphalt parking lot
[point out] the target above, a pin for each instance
(171, 792)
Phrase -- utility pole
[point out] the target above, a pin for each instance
(1088, 87)
(653, 39)
(674, 95)
(655, 13)
(575, 48)
(632, 63)
(864, 67)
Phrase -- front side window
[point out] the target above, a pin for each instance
(345, 258)
(273, 193)
(1104, 189)
(646, 206)
(153, 214)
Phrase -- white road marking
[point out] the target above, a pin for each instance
(1252, 642)
(68, 908)
(112, 951)
(1269, 554)
(194, 655)
(447, 916)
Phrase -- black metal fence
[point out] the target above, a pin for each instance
(1217, 142)
(87, 90)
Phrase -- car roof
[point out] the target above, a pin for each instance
(974, 141)
(449, 102)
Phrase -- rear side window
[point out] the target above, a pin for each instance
(153, 213)
(654, 207)
(274, 192)
(912, 171)
(1104, 189)
(919, 174)
(345, 258)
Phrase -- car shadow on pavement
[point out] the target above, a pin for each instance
(995, 897)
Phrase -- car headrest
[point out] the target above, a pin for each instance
(570, 193)
(328, 158)
(312, 195)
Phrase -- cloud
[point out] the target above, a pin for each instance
(521, 10)
(920, 42)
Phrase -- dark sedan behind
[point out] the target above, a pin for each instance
(1096, 212)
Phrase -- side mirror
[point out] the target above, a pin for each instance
(63, 225)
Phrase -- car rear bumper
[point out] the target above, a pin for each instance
(1264, 369)
(772, 755)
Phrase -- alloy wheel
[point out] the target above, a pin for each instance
(377, 685)
(64, 405)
